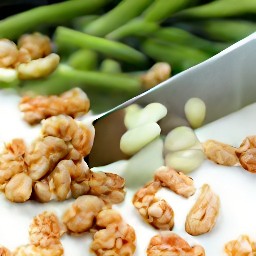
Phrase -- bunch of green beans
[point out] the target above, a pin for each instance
(106, 45)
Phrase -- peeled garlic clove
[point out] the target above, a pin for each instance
(153, 112)
(141, 167)
(180, 138)
(195, 110)
(135, 139)
(131, 114)
(185, 160)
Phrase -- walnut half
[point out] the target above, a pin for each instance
(203, 215)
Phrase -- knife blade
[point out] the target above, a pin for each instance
(225, 82)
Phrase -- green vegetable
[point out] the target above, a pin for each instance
(119, 15)
(136, 27)
(179, 56)
(112, 49)
(83, 59)
(220, 9)
(14, 26)
(225, 30)
(66, 77)
(110, 66)
(162, 9)
(149, 20)
(180, 36)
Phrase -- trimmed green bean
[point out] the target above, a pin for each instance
(109, 48)
(110, 66)
(163, 9)
(14, 26)
(136, 27)
(220, 9)
(119, 15)
(66, 77)
(178, 56)
(225, 30)
(83, 59)
(180, 36)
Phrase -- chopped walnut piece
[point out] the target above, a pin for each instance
(38, 68)
(117, 238)
(243, 246)
(247, 154)
(170, 244)
(220, 153)
(19, 188)
(72, 103)
(57, 184)
(32, 250)
(158, 73)
(81, 136)
(43, 155)
(12, 160)
(36, 44)
(154, 211)
(80, 216)
(4, 251)
(23, 57)
(108, 186)
(45, 230)
(8, 53)
(44, 234)
(203, 215)
(178, 182)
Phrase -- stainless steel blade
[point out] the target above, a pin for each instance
(226, 82)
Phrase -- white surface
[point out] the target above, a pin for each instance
(235, 186)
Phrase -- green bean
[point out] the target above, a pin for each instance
(112, 49)
(163, 9)
(14, 26)
(80, 23)
(178, 56)
(180, 36)
(149, 19)
(225, 30)
(83, 59)
(119, 15)
(110, 66)
(66, 77)
(219, 9)
(136, 27)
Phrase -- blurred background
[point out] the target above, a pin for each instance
(115, 50)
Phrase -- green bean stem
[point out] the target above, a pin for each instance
(14, 26)
(219, 9)
(178, 56)
(110, 48)
(119, 15)
(180, 36)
